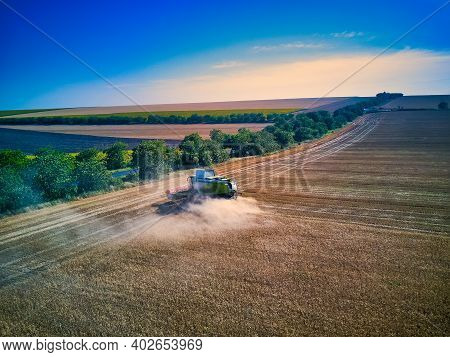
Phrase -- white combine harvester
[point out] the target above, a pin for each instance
(205, 183)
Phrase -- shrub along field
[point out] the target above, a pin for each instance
(52, 175)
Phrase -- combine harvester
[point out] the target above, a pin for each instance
(205, 184)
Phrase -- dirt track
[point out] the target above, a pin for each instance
(348, 236)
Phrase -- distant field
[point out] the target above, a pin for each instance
(4, 113)
(258, 105)
(418, 102)
(30, 141)
(138, 131)
(331, 107)
(188, 113)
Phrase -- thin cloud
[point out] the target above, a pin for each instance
(287, 46)
(228, 64)
(313, 77)
(399, 71)
(347, 34)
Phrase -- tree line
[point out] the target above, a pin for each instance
(150, 119)
(52, 175)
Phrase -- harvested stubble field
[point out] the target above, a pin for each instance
(332, 106)
(139, 131)
(418, 102)
(346, 236)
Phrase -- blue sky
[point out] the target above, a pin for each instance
(178, 51)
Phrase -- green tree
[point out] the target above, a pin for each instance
(205, 158)
(284, 138)
(216, 151)
(321, 129)
(217, 135)
(339, 121)
(54, 174)
(266, 141)
(92, 175)
(13, 158)
(91, 153)
(211, 152)
(14, 193)
(244, 135)
(191, 147)
(302, 134)
(443, 106)
(190, 154)
(117, 156)
(152, 158)
(176, 158)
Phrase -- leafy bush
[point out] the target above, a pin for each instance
(54, 174)
(153, 158)
(91, 153)
(92, 175)
(14, 193)
(176, 158)
(14, 159)
(215, 150)
(197, 151)
(117, 156)
(217, 135)
(191, 147)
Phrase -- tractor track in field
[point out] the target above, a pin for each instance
(288, 160)
(92, 206)
(38, 241)
(400, 223)
(283, 165)
(321, 151)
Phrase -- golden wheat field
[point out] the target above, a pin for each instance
(319, 243)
